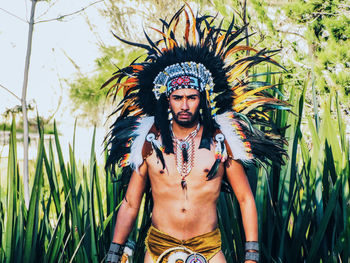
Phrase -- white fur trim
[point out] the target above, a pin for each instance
(229, 130)
(136, 158)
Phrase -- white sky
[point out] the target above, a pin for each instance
(48, 62)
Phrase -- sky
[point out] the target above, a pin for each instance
(52, 43)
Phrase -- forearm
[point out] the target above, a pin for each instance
(250, 222)
(250, 219)
(125, 221)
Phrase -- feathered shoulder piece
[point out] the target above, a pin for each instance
(131, 140)
(245, 142)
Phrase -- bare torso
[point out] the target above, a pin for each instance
(185, 213)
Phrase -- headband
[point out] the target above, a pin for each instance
(185, 75)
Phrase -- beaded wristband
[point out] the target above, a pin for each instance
(115, 253)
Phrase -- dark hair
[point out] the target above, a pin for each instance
(209, 124)
(162, 123)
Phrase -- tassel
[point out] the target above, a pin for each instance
(220, 155)
(185, 155)
(214, 169)
(183, 183)
(157, 147)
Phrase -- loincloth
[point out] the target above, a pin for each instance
(157, 242)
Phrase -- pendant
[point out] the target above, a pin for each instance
(183, 183)
(184, 145)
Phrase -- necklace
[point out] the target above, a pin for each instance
(184, 154)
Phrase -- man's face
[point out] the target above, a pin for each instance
(184, 105)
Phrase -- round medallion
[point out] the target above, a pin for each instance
(196, 258)
(184, 145)
(219, 137)
(150, 137)
(178, 257)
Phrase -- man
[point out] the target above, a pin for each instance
(178, 129)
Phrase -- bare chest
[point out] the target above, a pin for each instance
(169, 179)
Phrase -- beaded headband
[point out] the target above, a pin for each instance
(182, 76)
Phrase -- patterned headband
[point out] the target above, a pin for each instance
(183, 76)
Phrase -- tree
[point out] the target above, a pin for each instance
(23, 99)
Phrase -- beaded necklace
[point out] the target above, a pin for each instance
(184, 154)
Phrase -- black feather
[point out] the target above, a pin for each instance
(159, 154)
(214, 169)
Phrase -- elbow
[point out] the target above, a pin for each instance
(129, 208)
(247, 199)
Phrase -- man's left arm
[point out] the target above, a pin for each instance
(240, 185)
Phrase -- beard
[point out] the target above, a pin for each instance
(192, 121)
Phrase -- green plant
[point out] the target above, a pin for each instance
(303, 206)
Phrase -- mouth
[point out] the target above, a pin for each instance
(184, 115)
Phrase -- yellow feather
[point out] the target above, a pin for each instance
(194, 29)
(237, 49)
(250, 93)
(238, 70)
(219, 42)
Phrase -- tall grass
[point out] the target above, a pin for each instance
(303, 207)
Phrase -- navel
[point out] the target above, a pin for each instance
(161, 171)
(183, 210)
(206, 170)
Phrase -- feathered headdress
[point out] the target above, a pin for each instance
(212, 60)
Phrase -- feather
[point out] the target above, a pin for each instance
(187, 30)
(194, 27)
(140, 134)
(223, 45)
(228, 127)
(214, 169)
(152, 43)
(132, 43)
(156, 147)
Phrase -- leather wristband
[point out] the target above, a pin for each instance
(252, 245)
(115, 253)
(252, 251)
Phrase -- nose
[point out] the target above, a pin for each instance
(184, 104)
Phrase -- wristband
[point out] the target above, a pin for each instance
(252, 245)
(115, 253)
(252, 255)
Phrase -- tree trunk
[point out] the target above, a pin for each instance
(24, 106)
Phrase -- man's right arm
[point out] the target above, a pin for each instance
(129, 208)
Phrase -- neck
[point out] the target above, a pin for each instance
(181, 132)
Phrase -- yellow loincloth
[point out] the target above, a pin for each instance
(208, 244)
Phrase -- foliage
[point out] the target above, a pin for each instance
(314, 36)
(302, 206)
(85, 90)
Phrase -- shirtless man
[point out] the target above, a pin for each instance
(186, 213)
(185, 122)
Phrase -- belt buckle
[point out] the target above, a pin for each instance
(182, 255)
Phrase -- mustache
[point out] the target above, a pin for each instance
(184, 112)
